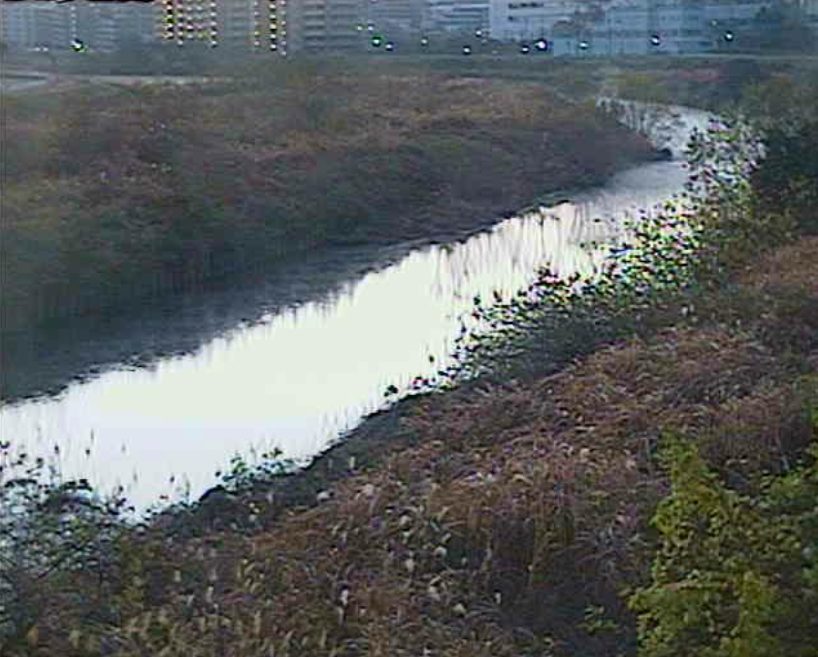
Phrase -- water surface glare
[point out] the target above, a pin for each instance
(299, 377)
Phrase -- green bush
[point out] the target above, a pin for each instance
(786, 180)
(59, 541)
(687, 245)
(736, 575)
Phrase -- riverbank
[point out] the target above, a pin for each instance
(499, 519)
(88, 343)
(519, 516)
(81, 348)
(116, 195)
(506, 518)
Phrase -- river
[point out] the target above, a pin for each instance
(261, 372)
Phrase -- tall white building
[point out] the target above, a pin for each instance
(326, 26)
(457, 15)
(625, 27)
(106, 26)
(101, 26)
(20, 24)
(520, 20)
(396, 16)
(277, 26)
(643, 26)
(239, 24)
(810, 7)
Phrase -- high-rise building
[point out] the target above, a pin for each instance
(96, 26)
(457, 16)
(641, 26)
(518, 20)
(240, 24)
(21, 24)
(810, 7)
(327, 25)
(396, 16)
(281, 26)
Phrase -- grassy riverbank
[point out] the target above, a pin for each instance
(501, 520)
(114, 194)
(634, 474)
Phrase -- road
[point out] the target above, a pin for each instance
(22, 81)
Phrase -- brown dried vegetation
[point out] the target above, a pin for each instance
(519, 508)
(112, 196)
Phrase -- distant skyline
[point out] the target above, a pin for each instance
(283, 26)
(636, 27)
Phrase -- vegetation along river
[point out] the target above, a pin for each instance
(261, 370)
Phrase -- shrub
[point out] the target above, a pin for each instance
(735, 575)
(135, 193)
(786, 181)
(58, 542)
(689, 243)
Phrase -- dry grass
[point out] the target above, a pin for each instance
(115, 196)
(521, 507)
(793, 266)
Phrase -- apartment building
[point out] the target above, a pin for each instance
(278, 26)
(521, 20)
(626, 27)
(810, 12)
(21, 25)
(401, 17)
(810, 7)
(327, 25)
(457, 16)
(414, 17)
(644, 26)
(99, 27)
(246, 25)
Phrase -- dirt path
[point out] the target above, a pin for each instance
(28, 81)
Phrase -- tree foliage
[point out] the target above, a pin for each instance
(735, 575)
(787, 179)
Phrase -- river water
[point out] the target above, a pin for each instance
(298, 376)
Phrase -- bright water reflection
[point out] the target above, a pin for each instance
(300, 377)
